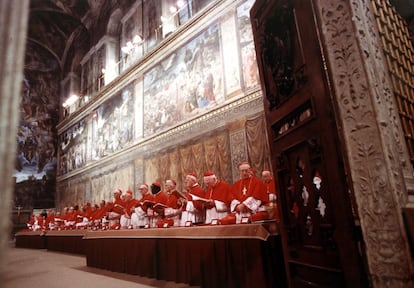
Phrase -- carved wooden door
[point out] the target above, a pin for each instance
(317, 223)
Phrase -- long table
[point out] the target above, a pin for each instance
(68, 241)
(243, 255)
(30, 239)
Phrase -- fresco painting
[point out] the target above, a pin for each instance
(73, 148)
(112, 124)
(112, 130)
(36, 138)
(186, 83)
(248, 52)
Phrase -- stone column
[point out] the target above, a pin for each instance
(13, 30)
(370, 129)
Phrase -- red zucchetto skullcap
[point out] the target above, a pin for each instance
(192, 176)
(209, 175)
(244, 165)
(156, 184)
(143, 186)
(171, 182)
(129, 192)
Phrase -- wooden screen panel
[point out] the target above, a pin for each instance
(317, 222)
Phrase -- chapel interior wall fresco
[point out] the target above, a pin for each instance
(36, 162)
(196, 107)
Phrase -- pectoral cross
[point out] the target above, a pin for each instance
(244, 190)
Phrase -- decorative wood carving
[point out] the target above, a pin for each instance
(314, 200)
(372, 136)
(309, 216)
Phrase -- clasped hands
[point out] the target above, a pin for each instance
(209, 204)
(242, 208)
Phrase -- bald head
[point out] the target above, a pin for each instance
(266, 176)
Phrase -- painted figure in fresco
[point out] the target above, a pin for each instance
(209, 87)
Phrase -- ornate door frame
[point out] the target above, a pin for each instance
(371, 134)
(377, 168)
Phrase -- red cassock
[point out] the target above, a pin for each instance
(130, 205)
(79, 216)
(40, 220)
(50, 219)
(109, 207)
(119, 206)
(250, 187)
(147, 198)
(100, 213)
(172, 201)
(270, 187)
(219, 192)
(173, 214)
(88, 212)
(71, 216)
(197, 191)
(59, 219)
(161, 198)
(93, 215)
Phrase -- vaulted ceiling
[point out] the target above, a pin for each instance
(57, 38)
(55, 31)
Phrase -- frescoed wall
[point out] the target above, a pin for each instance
(247, 50)
(73, 147)
(106, 130)
(189, 108)
(112, 124)
(36, 159)
(188, 82)
(193, 79)
(36, 156)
